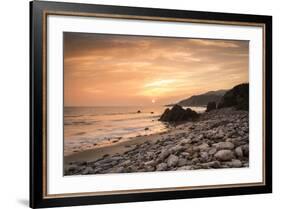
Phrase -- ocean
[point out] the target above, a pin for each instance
(89, 127)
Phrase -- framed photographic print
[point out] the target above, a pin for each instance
(140, 104)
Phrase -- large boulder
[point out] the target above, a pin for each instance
(237, 97)
(211, 106)
(177, 114)
(224, 155)
(161, 167)
(172, 160)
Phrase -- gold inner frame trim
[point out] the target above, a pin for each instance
(133, 17)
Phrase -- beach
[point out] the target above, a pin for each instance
(86, 128)
(216, 139)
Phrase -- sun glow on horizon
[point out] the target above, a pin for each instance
(162, 88)
(160, 83)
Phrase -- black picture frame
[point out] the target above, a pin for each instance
(38, 12)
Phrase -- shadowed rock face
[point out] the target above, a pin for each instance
(211, 106)
(237, 97)
(177, 114)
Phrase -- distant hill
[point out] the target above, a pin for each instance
(218, 92)
(203, 99)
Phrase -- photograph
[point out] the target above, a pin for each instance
(135, 103)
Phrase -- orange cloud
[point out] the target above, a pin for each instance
(102, 69)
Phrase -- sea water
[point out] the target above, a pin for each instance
(89, 127)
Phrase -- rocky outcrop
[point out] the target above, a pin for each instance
(237, 97)
(211, 106)
(178, 114)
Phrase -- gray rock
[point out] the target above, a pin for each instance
(150, 169)
(241, 132)
(133, 147)
(212, 151)
(106, 165)
(239, 152)
(182, 162)
(150, 163)
(108, 160)
(182, 168)
(236, 163)
(213, 164)
(83, 163)
(113, 163)
(229, 140)
(132, 168)
(98, 170)
(119, 170)
(185, 154)
(204, 156)
(224, 155)
(245, 149)
(161, 167)
(198, 138)
(237, 139)
(177, 148)
(218, 135)
(246, 164)
(203, 147)
(172, 160)
(125, 163)
(224, 145)
(71, 168)
(88, 170)
(185, 141)
(195, 161)
(164, 154)
(150, 155)
(194, 167)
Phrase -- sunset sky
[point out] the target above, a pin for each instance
(119, 70)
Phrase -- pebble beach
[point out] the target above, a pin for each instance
(216, 139)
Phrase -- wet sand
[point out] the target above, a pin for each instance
(121, 147)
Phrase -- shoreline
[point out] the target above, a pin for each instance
(217, 139)
(116, 148)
